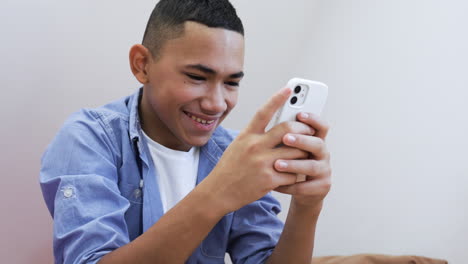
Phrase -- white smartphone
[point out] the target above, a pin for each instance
(307, 96)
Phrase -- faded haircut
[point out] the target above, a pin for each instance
(169, 16)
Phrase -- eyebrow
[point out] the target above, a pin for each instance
(208, 70)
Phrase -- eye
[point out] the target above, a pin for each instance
(195, 77)
(232, 83)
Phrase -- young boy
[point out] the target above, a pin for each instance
(154, 178)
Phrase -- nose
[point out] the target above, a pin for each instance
(214, 101)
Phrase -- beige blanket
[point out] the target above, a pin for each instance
(376, 259)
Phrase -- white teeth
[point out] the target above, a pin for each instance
(199, 120)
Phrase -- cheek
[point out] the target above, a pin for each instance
(174, 95)
(231, 99)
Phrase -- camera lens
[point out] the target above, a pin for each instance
(293, 100)
(297, 89)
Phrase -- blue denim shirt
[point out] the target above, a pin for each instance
(99, 184)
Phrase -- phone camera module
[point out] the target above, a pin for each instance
(297, 89)
(293, 100)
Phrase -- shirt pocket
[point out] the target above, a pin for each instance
(215, 244)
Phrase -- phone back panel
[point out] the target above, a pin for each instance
(314, 101)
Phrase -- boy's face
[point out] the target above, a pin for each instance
(192, 86)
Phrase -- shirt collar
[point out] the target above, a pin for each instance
(134, 122)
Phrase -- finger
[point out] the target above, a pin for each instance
(289, 153)
(312, 168)
(275, 134)
(315, 145)
(266, 112)
(308, 188)
(316, 122)
(285, 179)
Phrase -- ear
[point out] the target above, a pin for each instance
(139, 57)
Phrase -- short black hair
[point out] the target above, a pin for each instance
(168, 17)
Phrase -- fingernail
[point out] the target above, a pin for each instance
(291, 138)
(282, 165)
(304, 115)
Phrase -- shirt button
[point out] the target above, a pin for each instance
(68, 192)
(137, 193)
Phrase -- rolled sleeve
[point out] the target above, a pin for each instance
(79, 181)
(255, 231)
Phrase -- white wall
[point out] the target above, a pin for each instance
(396, 72)
(398, 82)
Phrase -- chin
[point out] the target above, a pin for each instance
(198, 141)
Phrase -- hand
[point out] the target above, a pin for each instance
(245, 172)
(316, 167)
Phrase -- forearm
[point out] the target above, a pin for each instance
(175, 236)
(296, 243)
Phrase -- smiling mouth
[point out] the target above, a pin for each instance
(198, 119)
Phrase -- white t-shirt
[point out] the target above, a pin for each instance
(176, 171)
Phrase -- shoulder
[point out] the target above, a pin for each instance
(104, 115)
(99, 128)
(108, 120)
